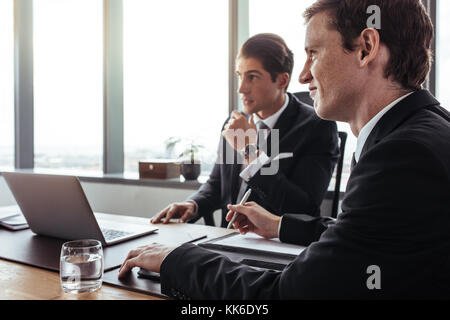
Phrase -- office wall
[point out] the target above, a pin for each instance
(140, 201)
(143, 201)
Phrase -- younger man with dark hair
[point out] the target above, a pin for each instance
(298, 183)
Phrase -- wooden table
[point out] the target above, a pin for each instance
(21, 282)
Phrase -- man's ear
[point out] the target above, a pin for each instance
(283, 80)
(369, 46)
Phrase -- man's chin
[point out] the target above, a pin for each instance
(249, 109)
(327, 113)
(321, 111)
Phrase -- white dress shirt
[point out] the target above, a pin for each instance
(262, 159)
(367, 129)
(365, 132)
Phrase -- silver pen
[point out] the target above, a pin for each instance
(243, 201)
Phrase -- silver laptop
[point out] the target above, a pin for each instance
(57, 206)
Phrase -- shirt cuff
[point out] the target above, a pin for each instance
(256, 165)
(196, 208)
(279, 227)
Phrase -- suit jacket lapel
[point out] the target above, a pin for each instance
(284, 122)
(397, 115)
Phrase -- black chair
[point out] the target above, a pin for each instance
(340, 165)
(306, 98)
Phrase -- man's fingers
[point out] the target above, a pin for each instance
(186, 215)
(131, 255)
(157, 218)
(244, 230)
(229, 216)
(240, 209)
(236, 115)
(128, 265)
(240, 221)
(251, 122)
(173, 209)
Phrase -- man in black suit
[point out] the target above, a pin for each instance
(392, 238)
(296, 183)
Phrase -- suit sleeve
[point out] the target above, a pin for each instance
(378, 227)
(208, 197)
(302, 230)
(304, 189)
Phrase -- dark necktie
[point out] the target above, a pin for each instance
(353, 164)
(259, 126)
(262, 129)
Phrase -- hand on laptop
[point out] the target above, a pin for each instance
(183, 211)
(147, 257)
(254, 218)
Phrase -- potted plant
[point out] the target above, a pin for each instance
(190, 164)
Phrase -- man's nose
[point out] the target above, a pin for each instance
(305, 75)
(243, 88)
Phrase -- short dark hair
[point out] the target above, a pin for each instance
(406, 29)
(273, 53)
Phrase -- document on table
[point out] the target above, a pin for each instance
(253, 242)
(11, 218)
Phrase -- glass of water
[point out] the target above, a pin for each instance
(81, 266)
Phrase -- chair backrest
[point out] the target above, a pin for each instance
(340, 165)
(306, 98)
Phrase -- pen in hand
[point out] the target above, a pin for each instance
(243, 201)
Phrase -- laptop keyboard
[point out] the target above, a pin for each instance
(111, 234)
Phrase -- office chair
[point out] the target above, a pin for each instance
(340, 165)
(306, 98)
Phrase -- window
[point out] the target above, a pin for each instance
(272, 16)
(68, 83)
(6, 84)
(175, 76)
(443, 52)
(284, 18)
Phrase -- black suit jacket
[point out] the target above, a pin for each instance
(301, 182)
(396, 216)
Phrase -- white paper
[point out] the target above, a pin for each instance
(255, 242)
(9, 211)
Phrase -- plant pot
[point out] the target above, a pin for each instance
(190, 171)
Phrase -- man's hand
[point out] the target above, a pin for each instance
(183, 211)
(254, 218)
(239, 131)
(147, 257)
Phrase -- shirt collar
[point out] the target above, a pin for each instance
(367, 129)
(272, 120)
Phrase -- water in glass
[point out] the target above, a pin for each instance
(81, 266)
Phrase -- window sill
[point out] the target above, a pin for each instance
(120, 178)
(131, 179)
